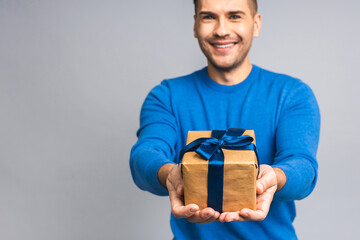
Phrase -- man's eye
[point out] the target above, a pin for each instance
(235, 17)
(208, 17)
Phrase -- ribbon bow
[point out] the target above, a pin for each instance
(231, 139)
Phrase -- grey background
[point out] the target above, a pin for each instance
(73, 76)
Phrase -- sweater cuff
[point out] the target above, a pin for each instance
(144, 168)
(300, 180)
(158, 188)
(282, 195)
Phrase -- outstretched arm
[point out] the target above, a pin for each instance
(294, 171)
(157, 138)
(297, 138)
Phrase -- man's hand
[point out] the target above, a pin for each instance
(170, 176)
(270, 180)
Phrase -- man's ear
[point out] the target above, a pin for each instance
(257, 25)
(195, 35)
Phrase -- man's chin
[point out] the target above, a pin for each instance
(225, 67)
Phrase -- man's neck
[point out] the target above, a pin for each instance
(235, 76)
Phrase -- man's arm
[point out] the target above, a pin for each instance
(294, 172)
(157, 138)
(297, 138)
(152, 157)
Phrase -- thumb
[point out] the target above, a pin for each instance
(259, 187)
(267, 179)
(180, 188)
(176, 181)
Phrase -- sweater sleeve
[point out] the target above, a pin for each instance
(297, 137)
(156, 140)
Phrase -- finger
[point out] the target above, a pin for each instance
(175, 180)
(222, 216)
(206, 213)
(177, 206)
(263, 201)
(267, 179)
(259, 188)
(180, 189)
(204, 216)
(194, 218)
(201, 216)
(211, 219)
(179, 181)
(265, 183)
(175, 187)
(185, 211)
(231, 216)
(249, 214)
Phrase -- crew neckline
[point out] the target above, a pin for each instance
(204, 77)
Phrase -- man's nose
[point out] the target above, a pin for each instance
(221, 29)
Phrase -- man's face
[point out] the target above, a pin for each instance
(225, 29)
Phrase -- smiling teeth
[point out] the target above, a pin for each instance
(224, 46)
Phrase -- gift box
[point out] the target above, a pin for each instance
(220, 169)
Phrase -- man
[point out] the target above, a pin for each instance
(231, 93)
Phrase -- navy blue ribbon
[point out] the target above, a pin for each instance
(211, 150)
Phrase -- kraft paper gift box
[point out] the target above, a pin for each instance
(236, 189)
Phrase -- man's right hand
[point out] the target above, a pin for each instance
(170, 176)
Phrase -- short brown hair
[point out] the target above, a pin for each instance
(252, 3)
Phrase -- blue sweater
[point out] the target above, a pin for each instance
(281, 110)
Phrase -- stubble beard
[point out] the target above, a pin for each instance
(231, 67)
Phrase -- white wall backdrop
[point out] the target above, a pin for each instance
(73, 76)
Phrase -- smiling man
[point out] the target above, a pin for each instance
(231, 93)
(225, 31)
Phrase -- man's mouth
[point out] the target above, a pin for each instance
(223, 45)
